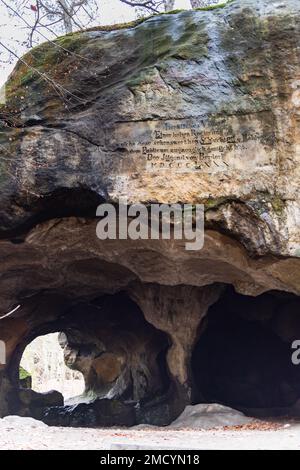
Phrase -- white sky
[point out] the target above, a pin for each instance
(13, 33)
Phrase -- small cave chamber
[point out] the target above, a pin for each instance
(120, 357)
(244, 354)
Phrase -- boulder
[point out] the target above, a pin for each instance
(209, 416)
(20, 422)
(30, 397)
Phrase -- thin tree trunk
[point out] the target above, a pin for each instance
(169, 5)
(67, 17)
(202, 3)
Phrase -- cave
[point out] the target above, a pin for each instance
(213, 99)
(121, 357)
(243, 357)
(143, 366)
(152, 327)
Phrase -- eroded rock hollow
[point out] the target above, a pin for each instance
(198, 107)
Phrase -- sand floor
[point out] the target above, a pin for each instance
(27, 434)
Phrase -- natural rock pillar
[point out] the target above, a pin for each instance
(15, 332)
(178, 311)
(11, 332)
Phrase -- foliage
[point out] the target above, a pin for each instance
(23, 373)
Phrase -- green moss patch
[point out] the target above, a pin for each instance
(278, 205)
(58, 59)
(23, 373)
(214, 7)
(133, 24)
(212, 203)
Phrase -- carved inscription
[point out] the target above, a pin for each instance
(191, 146)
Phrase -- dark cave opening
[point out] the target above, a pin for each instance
(61, 203)
(243, 358)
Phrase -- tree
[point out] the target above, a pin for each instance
(203, 3)
(169, 5)
(66, 12)
(47, 19)
(64, 16)
(61, 16)
(152, 6)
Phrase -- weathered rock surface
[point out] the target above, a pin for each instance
(52, 398)
(227, 78)
(33, 404)
(195, 107)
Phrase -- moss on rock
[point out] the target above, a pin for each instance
(215, 7)
(278, 205)
(25, 378)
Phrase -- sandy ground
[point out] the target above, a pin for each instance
(29, 435)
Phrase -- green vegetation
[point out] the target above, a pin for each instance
(214, 7)
(134, 23)
(25, 378)
(171, 12)
(267, 202)
(58, 62)
(23, 374)
(214, 203)
(278, 205)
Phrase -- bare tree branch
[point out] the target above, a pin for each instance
(34, 29)
(203, 3)
(150, 5)
(169, 5)
(49, 10)
(59, 89)
(67, 16)
(37, 19)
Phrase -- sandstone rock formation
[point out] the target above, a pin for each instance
(194, 107)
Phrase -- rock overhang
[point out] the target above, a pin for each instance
(238, 94)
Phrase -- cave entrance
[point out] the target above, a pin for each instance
(243, 358)
(121, 359)
(43, 368)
